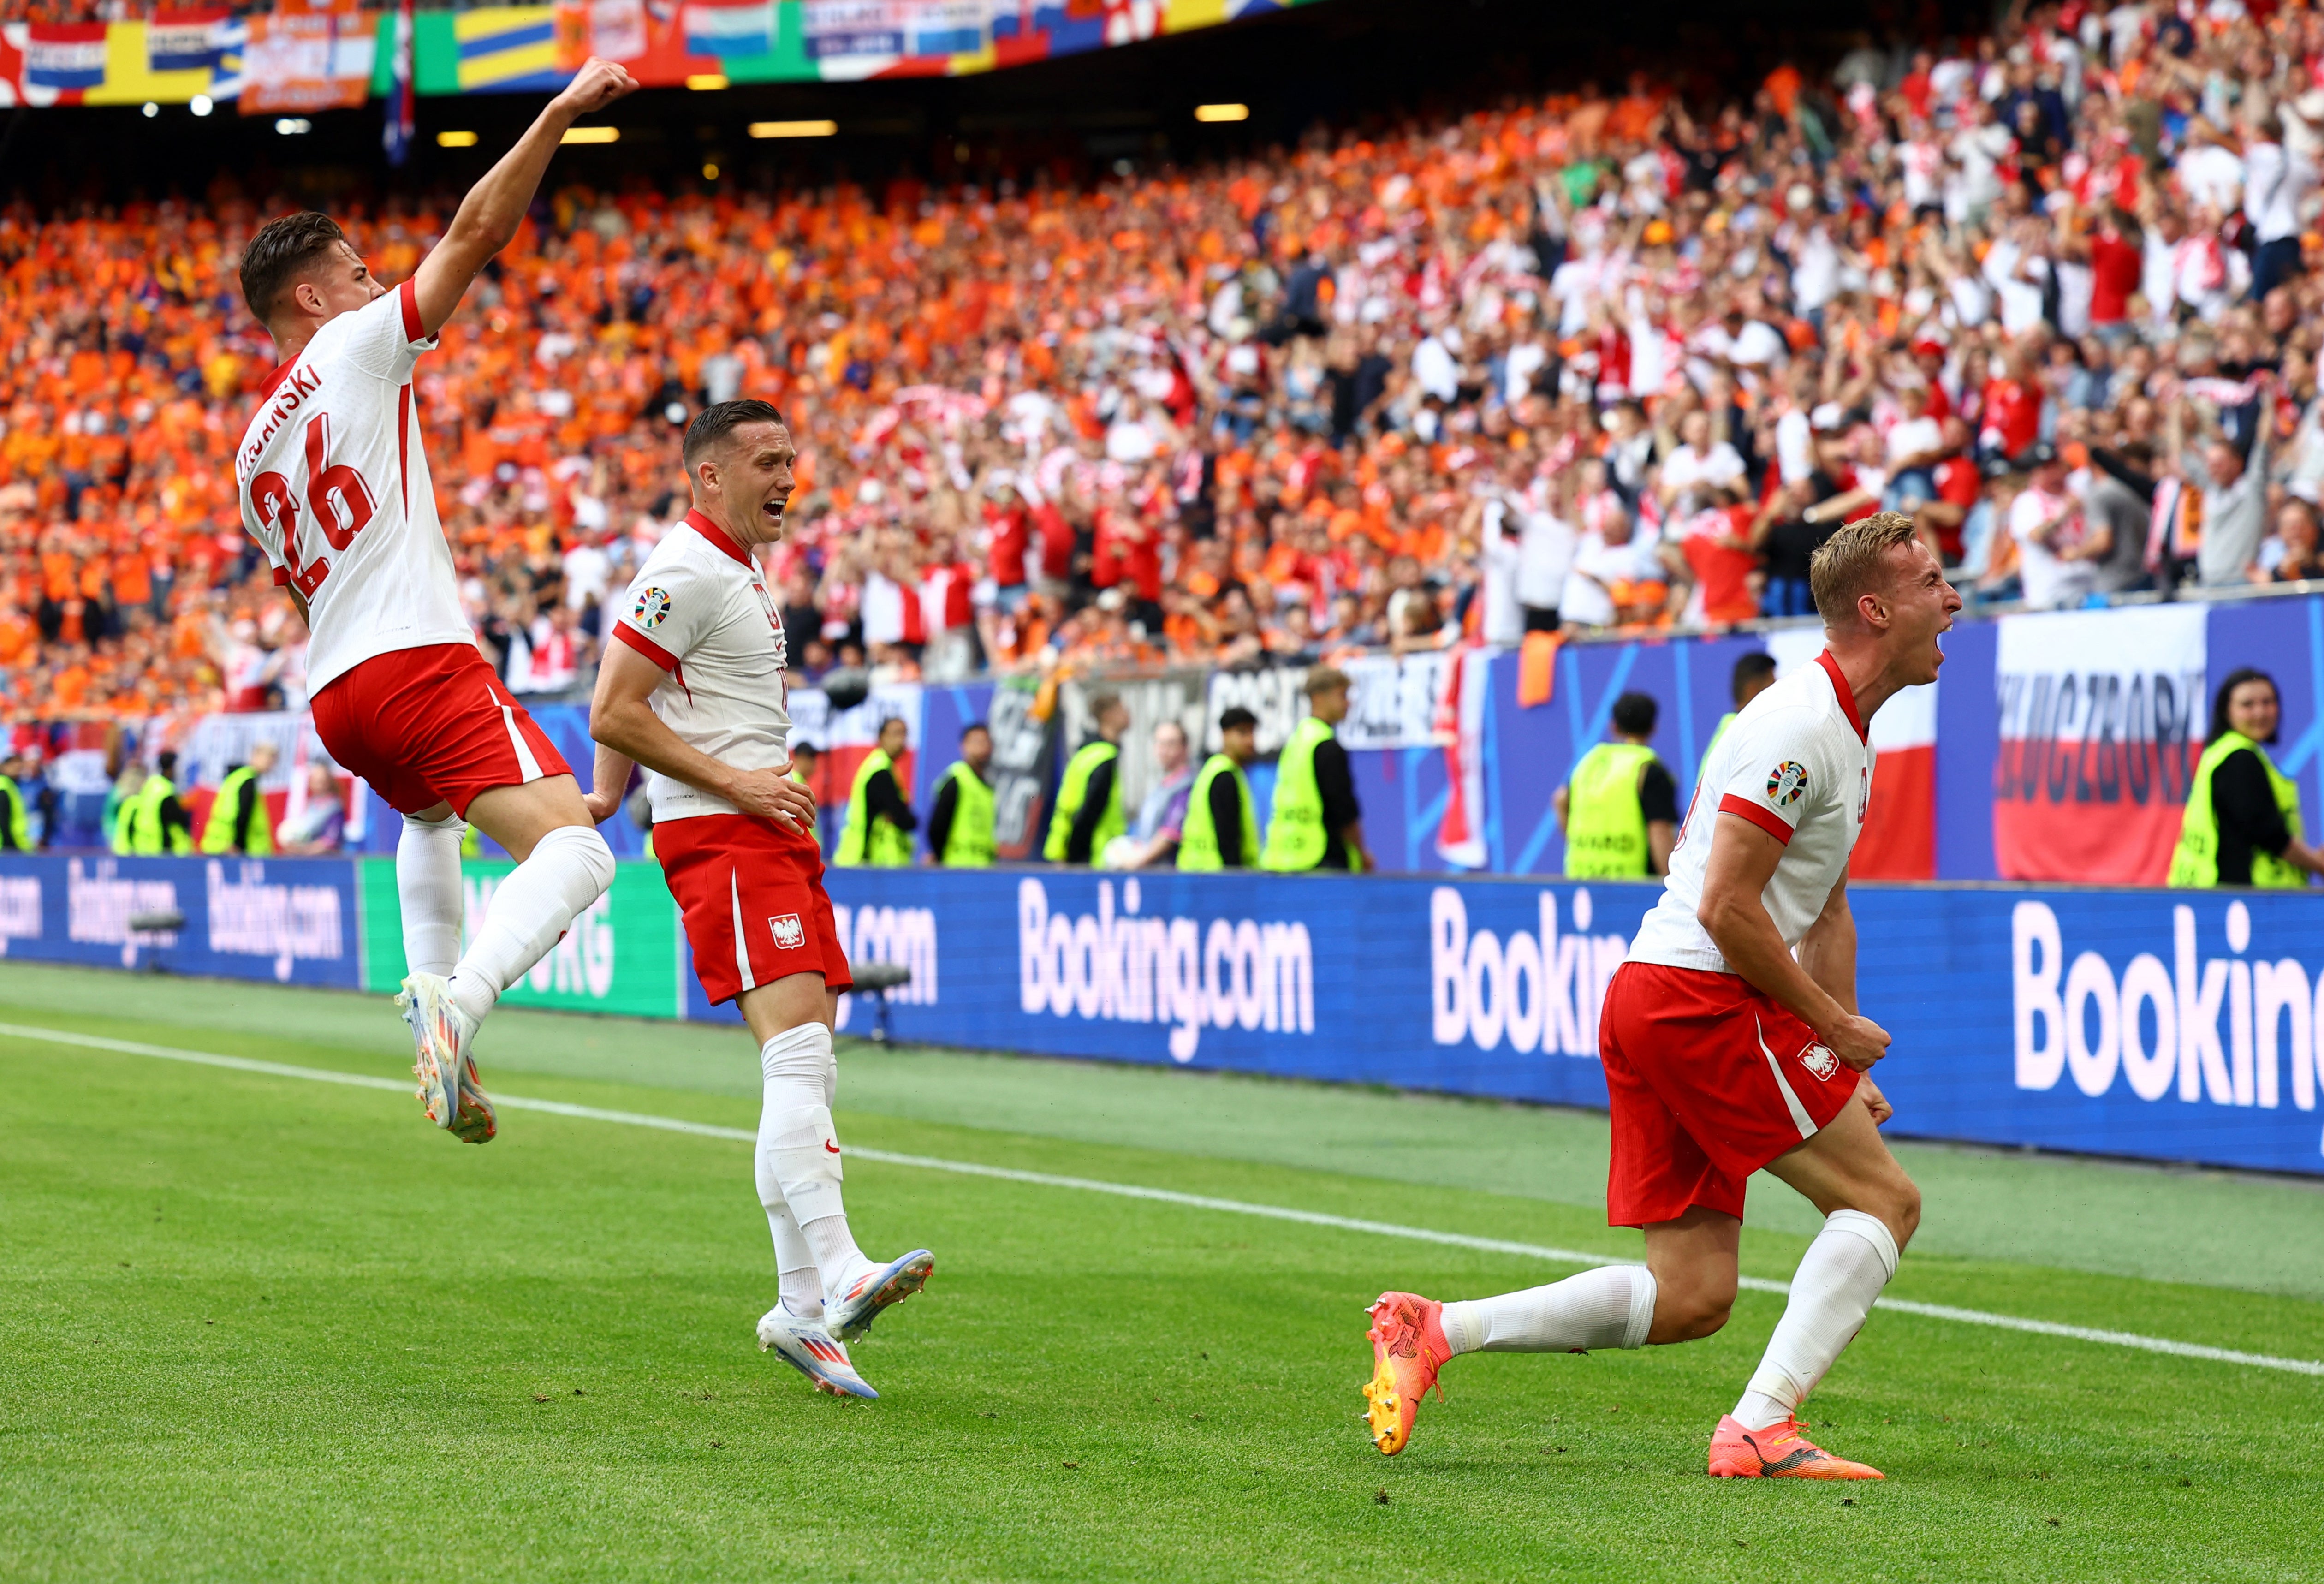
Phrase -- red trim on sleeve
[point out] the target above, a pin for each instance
(282, 577)
(646, 647)
(403, 441)
(1845, 694)
(1765, 818)
(410, 294)
(718, 535)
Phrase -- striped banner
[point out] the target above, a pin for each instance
(198, 53)
(508, 49)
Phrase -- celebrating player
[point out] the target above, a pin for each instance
(1725, 1052)
(334, 486)
(692, 689)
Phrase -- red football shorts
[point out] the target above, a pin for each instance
(432, 725)
(1710, 1080)
(751, 894)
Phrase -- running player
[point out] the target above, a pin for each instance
(693, 688)
(335, 487)
(1732, 1042)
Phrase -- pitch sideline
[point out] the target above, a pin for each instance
(1165, 1196)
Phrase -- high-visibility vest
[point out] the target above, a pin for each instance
(18, 829)
(968, 843)
(865, 841)
(1605, 824)
(1198, 838)
(140, 830)
(218, 835)
(1295, 836)
(1073, 791)
(2196, 861)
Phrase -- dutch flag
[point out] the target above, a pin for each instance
(730, 28)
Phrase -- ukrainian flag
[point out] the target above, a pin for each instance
(508, 49)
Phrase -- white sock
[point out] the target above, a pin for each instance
(800, 1148)
(428, 888)
(1610, 1307)
(796, 1066)
(1843, 1271)
(568, 870)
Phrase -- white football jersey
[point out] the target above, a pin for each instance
(699, 608)
(335, 487)
(1797, 763)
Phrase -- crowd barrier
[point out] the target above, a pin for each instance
(2171, 1025)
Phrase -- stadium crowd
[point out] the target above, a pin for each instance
(1568, 365)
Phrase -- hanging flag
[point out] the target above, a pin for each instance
(64, 56)
(615, 30)
(395, 135)
(837, 29)
(730, 29)
(305, 62)
(225, 76)
(184, 41)
(508, 49)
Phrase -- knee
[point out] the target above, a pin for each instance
(1689, 1315)
(588, 850)
(1903, 1216)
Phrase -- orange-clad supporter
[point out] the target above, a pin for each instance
(1237, 401)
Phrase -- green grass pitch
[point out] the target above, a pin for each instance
(258, 1328)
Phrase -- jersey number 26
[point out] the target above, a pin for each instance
(336, 493)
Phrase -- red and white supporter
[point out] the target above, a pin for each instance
(692, 689)
(1733, 1043)
(335, 487)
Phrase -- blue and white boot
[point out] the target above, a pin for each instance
(807, 1347)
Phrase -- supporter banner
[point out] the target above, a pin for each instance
(1391, 702)
(2102, 715)
(302, 62)
(502, 49)
(622, 955)
(293, 921)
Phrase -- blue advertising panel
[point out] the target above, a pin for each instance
(291, 920)
(2174, 1026)
(2181, 1026)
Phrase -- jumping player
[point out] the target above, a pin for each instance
(693, 688)
(1725, 1052)
(335, 487)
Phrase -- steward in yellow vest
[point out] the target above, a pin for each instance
(1315, 820)
(239, 820)
(1619, 811)
(1222, 828)
(960, 825)
(878, 833)
(2242, 825)
(1090, 811)
(16, 825)
(154, 820)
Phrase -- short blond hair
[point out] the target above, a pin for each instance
(1849, 564)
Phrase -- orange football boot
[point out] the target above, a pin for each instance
(1777, 1452)
(1408, 1347)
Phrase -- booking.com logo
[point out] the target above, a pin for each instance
(2156, 1027)
(1540, 991)
(1122, 968)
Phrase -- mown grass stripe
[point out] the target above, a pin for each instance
(1279, 1213)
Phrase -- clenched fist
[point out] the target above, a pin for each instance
(596, 85)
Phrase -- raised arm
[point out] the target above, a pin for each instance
(489, 215)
